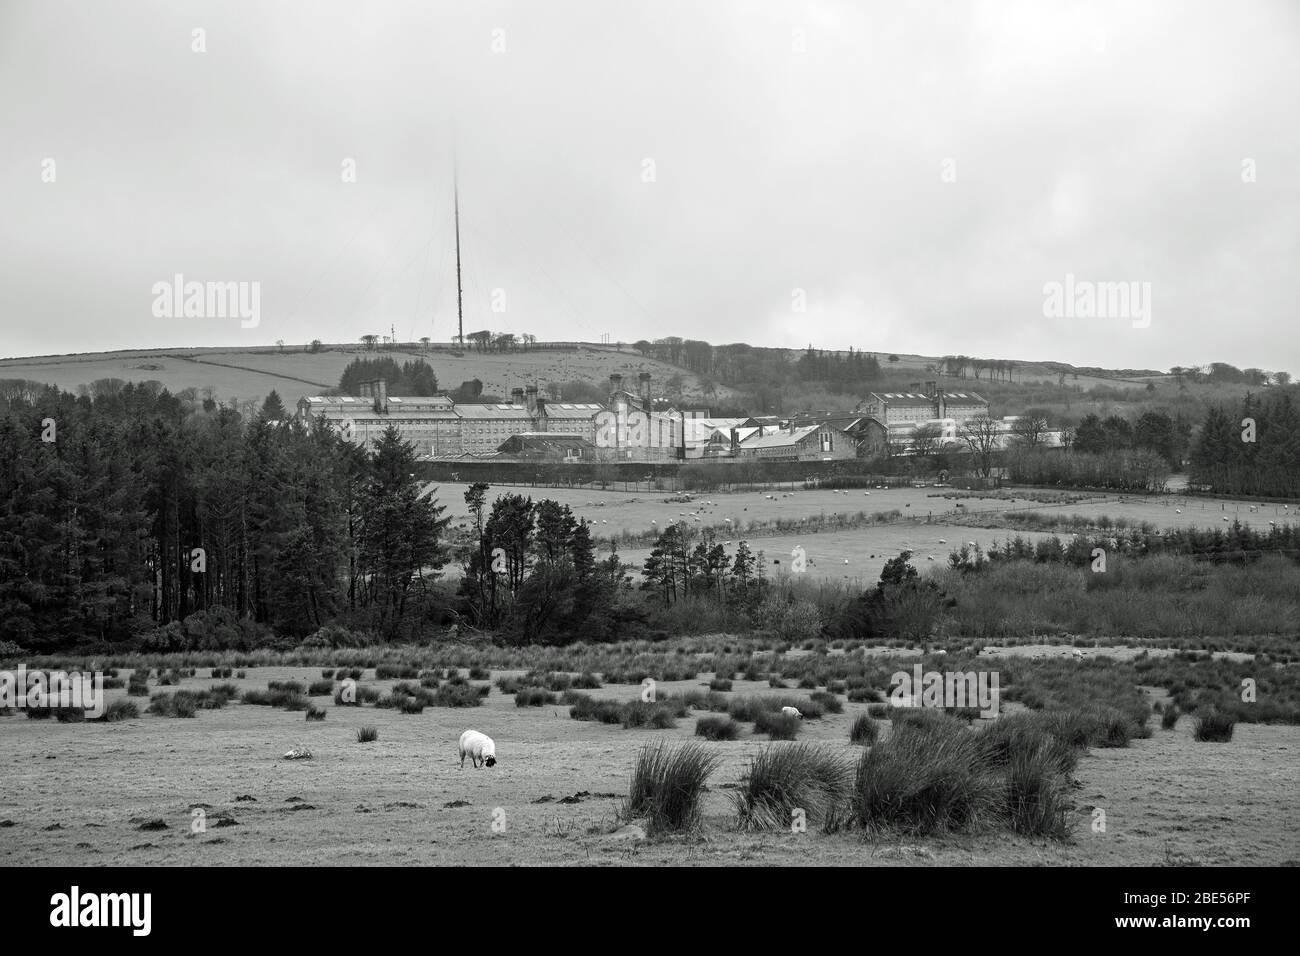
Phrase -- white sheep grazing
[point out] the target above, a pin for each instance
(480, 748)
(792, 712)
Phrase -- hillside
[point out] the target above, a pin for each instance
(239, 375)
(248, 374)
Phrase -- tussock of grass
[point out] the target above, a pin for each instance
(656, 716)
(864, 731)
(1036, 796)
(667, 785)
(1169, 718)
(289, 698)
(367, 735)
(315, 713)
(776, 725)
(928, 777)
(180, 704)
(829, 702)
(533, 697)
(120, 710)
(749, 708)
(321, 688)
(717, 728)
(459, 695)
(781, 779)
(1213, 726)
(720, 684)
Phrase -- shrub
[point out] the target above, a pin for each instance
(586, 681)
(320, 688)
(667, 784)
(1213, 726)
(720, 684)
(315, 713)
(1169, 718)
(717, 728)
(367, 735)
(327, 672)
(480, 673)
(863, 695)
(780, 779)
(864, 730)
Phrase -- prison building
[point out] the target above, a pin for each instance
(809, 443)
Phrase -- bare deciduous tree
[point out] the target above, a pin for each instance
(982, 435)
(1030, 429)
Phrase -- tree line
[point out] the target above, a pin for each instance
(128, 513)
(1252, 448)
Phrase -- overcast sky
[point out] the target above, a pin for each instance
(919, 171)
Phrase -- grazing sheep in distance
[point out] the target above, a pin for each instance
(480, 748)
(792, 712)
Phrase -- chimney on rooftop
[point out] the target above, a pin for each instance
(532, 402)
(643, 389)
(380, 391)
(615, 383)
(540, 419)
(517, 396)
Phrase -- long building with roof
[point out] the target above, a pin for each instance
(442, 428)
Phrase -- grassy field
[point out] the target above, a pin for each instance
(249, 374)
(924, 527)
(87, 794)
